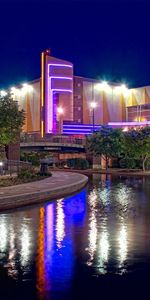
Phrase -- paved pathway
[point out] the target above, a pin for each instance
(57, 186)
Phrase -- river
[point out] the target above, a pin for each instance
(95, 244)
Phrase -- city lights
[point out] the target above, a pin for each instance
(103, 86)
(26, 88)
(122, 89)
(3, 93)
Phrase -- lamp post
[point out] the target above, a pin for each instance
(93, 106)
(60, 113)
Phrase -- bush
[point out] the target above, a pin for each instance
(34, 157)
(78, 163)
(128, 163)
(26, 174)
(147, 165)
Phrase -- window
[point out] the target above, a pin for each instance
(79, 97)
(78, 84)
(79, 108)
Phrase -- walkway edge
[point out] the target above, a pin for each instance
(26, 199)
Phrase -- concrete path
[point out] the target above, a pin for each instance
(59, 185)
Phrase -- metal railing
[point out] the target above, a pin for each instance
(9, 167)
(61, 139)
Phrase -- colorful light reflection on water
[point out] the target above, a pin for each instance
(65, 249)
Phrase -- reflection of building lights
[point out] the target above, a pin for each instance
(122, 239)
(25, 245)
(60, 224)
(92, 236)
(41, 255)
(11, 265)
(3, 235)
(104, 246)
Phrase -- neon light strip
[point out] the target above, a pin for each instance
(61, 90)
(80, 125)
(60, 65)
(42, 79)
(50, 108)
(128, 123)
(78, 133)
(60, 77)
(86, 129)
(42, 129)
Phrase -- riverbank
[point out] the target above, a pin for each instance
(114, 172)
(60, 185)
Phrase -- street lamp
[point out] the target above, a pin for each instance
(93, 106)
(60, 113)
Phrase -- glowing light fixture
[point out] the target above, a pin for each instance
(60, 110)
(103, 86)
(3, 93)
(93, 104)
(26, 88)
(122, 89)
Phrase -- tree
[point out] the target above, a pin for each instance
(137, 144)
(11, 120)
(108, 142)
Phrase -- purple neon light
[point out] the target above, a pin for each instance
(77, 133)
(50, 108)
(128, 123)
(80, 125)
(60, 77)
(75, 129)
(61, 90)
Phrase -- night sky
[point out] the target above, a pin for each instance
(103, 39)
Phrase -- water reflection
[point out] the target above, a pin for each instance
(123, 245)
(103, 249)
(11, 265)
(3, 234)
(25, 239)
(103, 231)
(92, 235)
(60, 224)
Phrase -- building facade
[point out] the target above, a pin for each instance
(60, 102)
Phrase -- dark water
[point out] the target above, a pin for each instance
(94, 245)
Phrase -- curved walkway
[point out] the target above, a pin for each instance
(59, 185)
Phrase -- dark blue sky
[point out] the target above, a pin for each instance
(104, 39)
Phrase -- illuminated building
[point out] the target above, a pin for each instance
(58, 88)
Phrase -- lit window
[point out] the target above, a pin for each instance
(79, 120)
(79, 97)
(78, 84)
(79, 108)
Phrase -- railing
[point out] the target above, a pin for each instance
(9, 167)
(61, 139)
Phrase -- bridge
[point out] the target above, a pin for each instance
(52, 143)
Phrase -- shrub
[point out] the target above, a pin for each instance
(26, 174)
(147, 165)
(34, 157)
(78, 163)
(128, 163)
